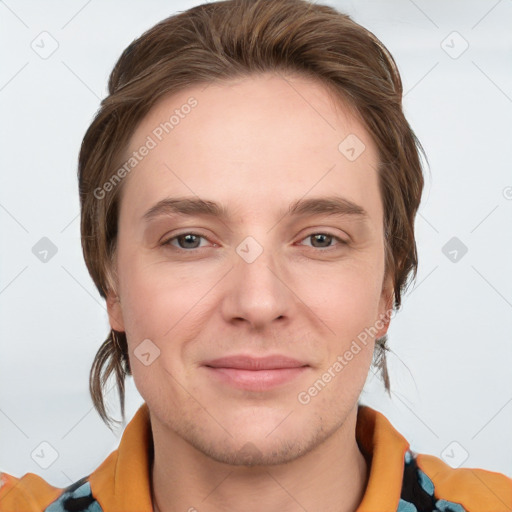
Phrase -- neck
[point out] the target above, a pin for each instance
(332, 477)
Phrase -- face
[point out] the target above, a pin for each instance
(264, 238)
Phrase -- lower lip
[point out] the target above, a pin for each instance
(256, 380)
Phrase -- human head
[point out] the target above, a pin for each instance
(219, 41)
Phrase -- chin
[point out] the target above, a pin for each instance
(256, 453)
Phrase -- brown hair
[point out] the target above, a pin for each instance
(230, 39)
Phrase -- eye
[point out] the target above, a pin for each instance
(323, 240)
(191, 241)
(185, 241)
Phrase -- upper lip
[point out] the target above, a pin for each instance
(246, 362)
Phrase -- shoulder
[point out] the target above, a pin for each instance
(31, 493)
(431, 484)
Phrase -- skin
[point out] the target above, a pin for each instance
(255, 145)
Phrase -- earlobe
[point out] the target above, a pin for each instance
(385, 307)
(115, 313)
(388, 295)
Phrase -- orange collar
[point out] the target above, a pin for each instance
(384, 449)
(123, 480)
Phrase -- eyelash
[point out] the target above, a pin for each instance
(324, 249)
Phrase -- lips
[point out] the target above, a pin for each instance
(244, 362)
(255, 373)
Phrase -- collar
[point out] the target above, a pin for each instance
(384, 449)
(123, 480)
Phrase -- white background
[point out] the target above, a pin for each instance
(451, 368)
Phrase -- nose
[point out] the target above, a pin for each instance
(256, 291)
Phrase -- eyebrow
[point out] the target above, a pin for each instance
(330, 206)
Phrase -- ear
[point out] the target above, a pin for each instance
(385, 307)
(115, 312)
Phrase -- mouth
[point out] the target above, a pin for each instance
(255, 373)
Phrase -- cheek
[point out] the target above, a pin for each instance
(154, 302)
(346, 298)
(163, 302)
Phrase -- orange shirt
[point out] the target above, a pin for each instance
(399, 479)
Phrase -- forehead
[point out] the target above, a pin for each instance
(252, 141)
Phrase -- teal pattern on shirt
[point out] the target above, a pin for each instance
(418, 493)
